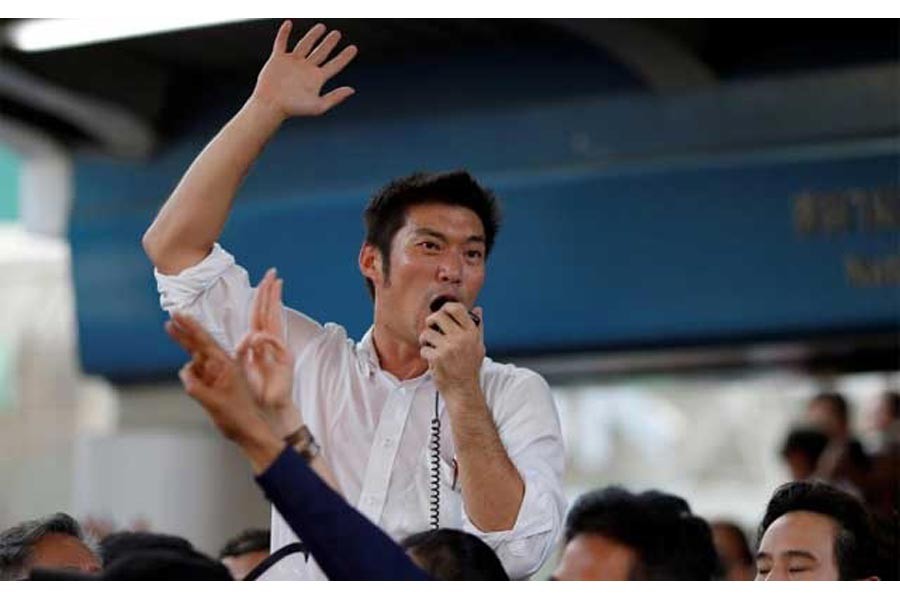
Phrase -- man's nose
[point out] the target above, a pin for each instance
(450, 268)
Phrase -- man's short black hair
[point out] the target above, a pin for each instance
(671, 543)
(453, 555)
(17, 542)
(837, 402)
(855, 545)
(386, 212)
(249, 540)
(807, 441)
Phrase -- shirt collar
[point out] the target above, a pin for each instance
(366, 349)
(367, 352)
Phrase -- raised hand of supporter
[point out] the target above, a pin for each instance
(266, 359)
(217, 382)
(215, 379)
(291, 80)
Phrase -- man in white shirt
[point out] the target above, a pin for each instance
(370, 405)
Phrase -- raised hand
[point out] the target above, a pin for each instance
(215, 380)
(291, 80)
(266, 359)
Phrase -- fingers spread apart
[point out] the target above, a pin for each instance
(307, 42)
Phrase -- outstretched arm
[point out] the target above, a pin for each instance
(344, 543)
(289, 85)
(269, 366)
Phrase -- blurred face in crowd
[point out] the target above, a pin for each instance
(240, 566)
(798, 546)
(592, 557)
(732, 554)
(61, 551)
(823, 416)
(799, 465)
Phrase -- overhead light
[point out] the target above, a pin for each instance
(50, 34)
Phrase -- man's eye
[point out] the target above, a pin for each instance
(429, 245)
(798, 569)
(475, 254)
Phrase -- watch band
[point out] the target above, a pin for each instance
(304, 443)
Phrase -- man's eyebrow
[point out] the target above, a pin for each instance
(431, 232)
(762, 555)
(799, 554)
(442, 237)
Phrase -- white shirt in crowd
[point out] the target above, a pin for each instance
(374, 429)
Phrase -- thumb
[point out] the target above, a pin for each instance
(335, 97)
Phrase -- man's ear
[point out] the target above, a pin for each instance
(370, 263)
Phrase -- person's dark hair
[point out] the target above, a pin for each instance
(892, 399)
(141, 555)
(836, 402)
(453, 555)
(249, 540)
(671, 543)
(126, 543)
(806, 441)
(855, 546)
(386, 211)
(746, 556)
(17, 542)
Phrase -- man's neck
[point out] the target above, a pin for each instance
(399, 358)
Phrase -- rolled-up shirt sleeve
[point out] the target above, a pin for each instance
(528, 424)
(217, 292)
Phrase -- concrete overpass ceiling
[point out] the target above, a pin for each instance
(152, 88)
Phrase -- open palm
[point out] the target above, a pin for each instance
(291, 81)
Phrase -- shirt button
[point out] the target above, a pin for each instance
(371, 500)
(388, 442)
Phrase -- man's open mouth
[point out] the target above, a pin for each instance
(440, 301)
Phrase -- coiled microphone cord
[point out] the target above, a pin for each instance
(435, 486)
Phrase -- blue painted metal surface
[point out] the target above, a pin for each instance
(629, 220)
(587, 260)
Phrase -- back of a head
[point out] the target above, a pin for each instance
(831, 412)
(122, 544)
(17, 542)
(855, 546)
(807, 442)
(145, 556)
(249, 540)
(735, 556)
(165, 565)
(453, 555)
(671, 543)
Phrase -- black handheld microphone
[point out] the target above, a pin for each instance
(440, 301)
(434, 444)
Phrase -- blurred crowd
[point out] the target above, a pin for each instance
(835, 520)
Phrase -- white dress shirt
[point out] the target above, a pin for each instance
(374, 429)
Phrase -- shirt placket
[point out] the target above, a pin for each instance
(383, 452)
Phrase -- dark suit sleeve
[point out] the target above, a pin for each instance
(344, 542)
